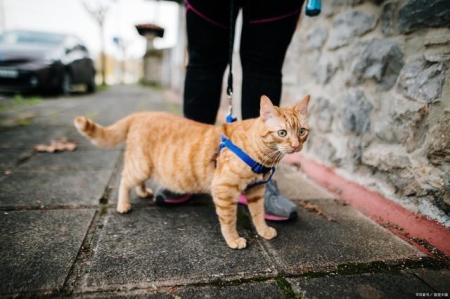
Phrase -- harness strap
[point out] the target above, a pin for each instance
(255, 166)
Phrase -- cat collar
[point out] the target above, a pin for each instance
(255, 166)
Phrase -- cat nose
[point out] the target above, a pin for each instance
(295, 144)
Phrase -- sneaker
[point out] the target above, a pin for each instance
(276, 206)
(164, 196)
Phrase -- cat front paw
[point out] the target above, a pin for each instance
(123, 208)
(239, 243)
(268, 233)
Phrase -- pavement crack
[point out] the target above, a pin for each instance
(285, 287)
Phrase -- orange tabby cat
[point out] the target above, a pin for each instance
(183, 156)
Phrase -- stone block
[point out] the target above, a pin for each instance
(399, 121)
(322, 114)
(421, 14)
(356, 112)
(381, 61)
(385, 157)
(387, 18)
(349, 25)
(422, 81)
(317, 37)
(329, 149)
(438, 141)
(323, 68)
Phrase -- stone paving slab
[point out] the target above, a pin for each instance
(313, 243)
(10, 158)
(27, 137)
(136, 200)
(73, 161)
(117, 112)
(296, 186)
(44, 109)
(53, 188)
(168, 246)
(38, 248)
(439, 280)
(244, 291)
(381, 285)
(66, 117)
(256, 290)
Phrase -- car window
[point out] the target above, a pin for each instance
(31, 37)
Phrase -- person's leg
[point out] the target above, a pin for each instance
(208, 24)
(208, 45)
(268, 27)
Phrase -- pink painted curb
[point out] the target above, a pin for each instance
(397, 219)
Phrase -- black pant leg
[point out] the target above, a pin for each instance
(208, 45)
(268, 27)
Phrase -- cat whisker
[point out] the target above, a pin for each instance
(271, 156)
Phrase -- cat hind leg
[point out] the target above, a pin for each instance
(123, 203)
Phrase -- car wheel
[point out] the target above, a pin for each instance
(66, 84)
(91, 86)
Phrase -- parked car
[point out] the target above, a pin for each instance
(43, 61)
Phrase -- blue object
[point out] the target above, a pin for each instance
(313, 8)
(255, 166)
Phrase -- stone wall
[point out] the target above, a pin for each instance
(378, 75)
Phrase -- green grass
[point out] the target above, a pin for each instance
(152, 85)
(20, 101)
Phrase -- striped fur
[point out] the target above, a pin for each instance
(181, 154)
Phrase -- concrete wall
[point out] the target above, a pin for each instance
(380, 111)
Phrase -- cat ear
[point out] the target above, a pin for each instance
(267, 110)
(301, 107)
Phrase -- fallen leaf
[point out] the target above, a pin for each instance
(61, 144)
(315, 208)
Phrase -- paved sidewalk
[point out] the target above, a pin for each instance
(61, 237)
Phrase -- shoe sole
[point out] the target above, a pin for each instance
(160, 199)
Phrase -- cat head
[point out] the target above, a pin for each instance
(286, 128)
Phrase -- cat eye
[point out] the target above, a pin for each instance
(282, 133)
(302, 131)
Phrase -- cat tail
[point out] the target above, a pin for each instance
(101, 136)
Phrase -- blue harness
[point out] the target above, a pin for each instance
(255, 166)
